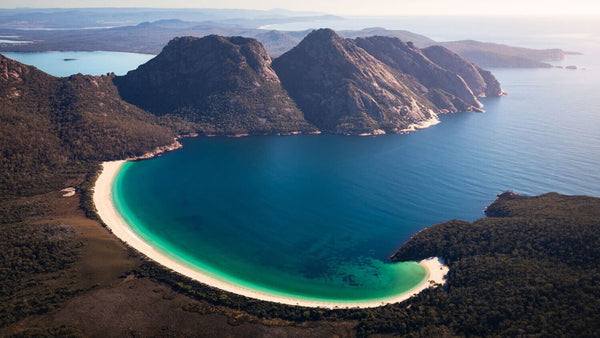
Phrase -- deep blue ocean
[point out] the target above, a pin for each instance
(317, 216)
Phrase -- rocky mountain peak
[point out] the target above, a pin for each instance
(444, 87)
(13, 71)
(223, 84)
(343, 89)
(192, 53)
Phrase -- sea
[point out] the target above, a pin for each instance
(90, 63)
(317, 216)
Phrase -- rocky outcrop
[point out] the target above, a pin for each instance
(481, 82)
(225, 85)
(343, 89)
(444, 88)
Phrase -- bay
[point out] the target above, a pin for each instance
(317, 216)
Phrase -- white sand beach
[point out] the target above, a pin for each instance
(436, 270)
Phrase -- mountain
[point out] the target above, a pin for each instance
(481, 82)
(444, 88)
(224, 85)
(343, 89)
(149, 32)
(53, 128)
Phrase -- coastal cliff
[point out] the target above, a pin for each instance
(445, 88)
(481, 82)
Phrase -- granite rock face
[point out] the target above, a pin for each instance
(481, 82)
(373, 85)
(343, 89)
(225, 85)
(446, 89)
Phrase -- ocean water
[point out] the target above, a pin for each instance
(317, 216)
(89, 63)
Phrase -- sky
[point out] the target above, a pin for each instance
(349, 7)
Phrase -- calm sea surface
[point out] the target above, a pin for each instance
(91, 63)
(317, 216)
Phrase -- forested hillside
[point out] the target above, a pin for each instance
(53, 128)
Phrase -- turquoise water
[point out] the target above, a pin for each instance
(265, 219)
(89, 63)
(317, 216)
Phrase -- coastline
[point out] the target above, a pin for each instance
(421, 125)
(102, 198)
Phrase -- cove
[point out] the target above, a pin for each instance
(291, 238)
(316, 217)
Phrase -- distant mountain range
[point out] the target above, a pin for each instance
(84, 18)
(129, 34)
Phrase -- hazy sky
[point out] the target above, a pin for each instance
(350, 7)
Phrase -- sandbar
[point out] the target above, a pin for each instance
(436, 269)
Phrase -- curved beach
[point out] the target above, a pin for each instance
(436, 270)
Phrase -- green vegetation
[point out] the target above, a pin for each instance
(241, 111)
(31, 257)
(54, 129)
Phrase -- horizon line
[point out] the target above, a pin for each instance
(318, 13)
